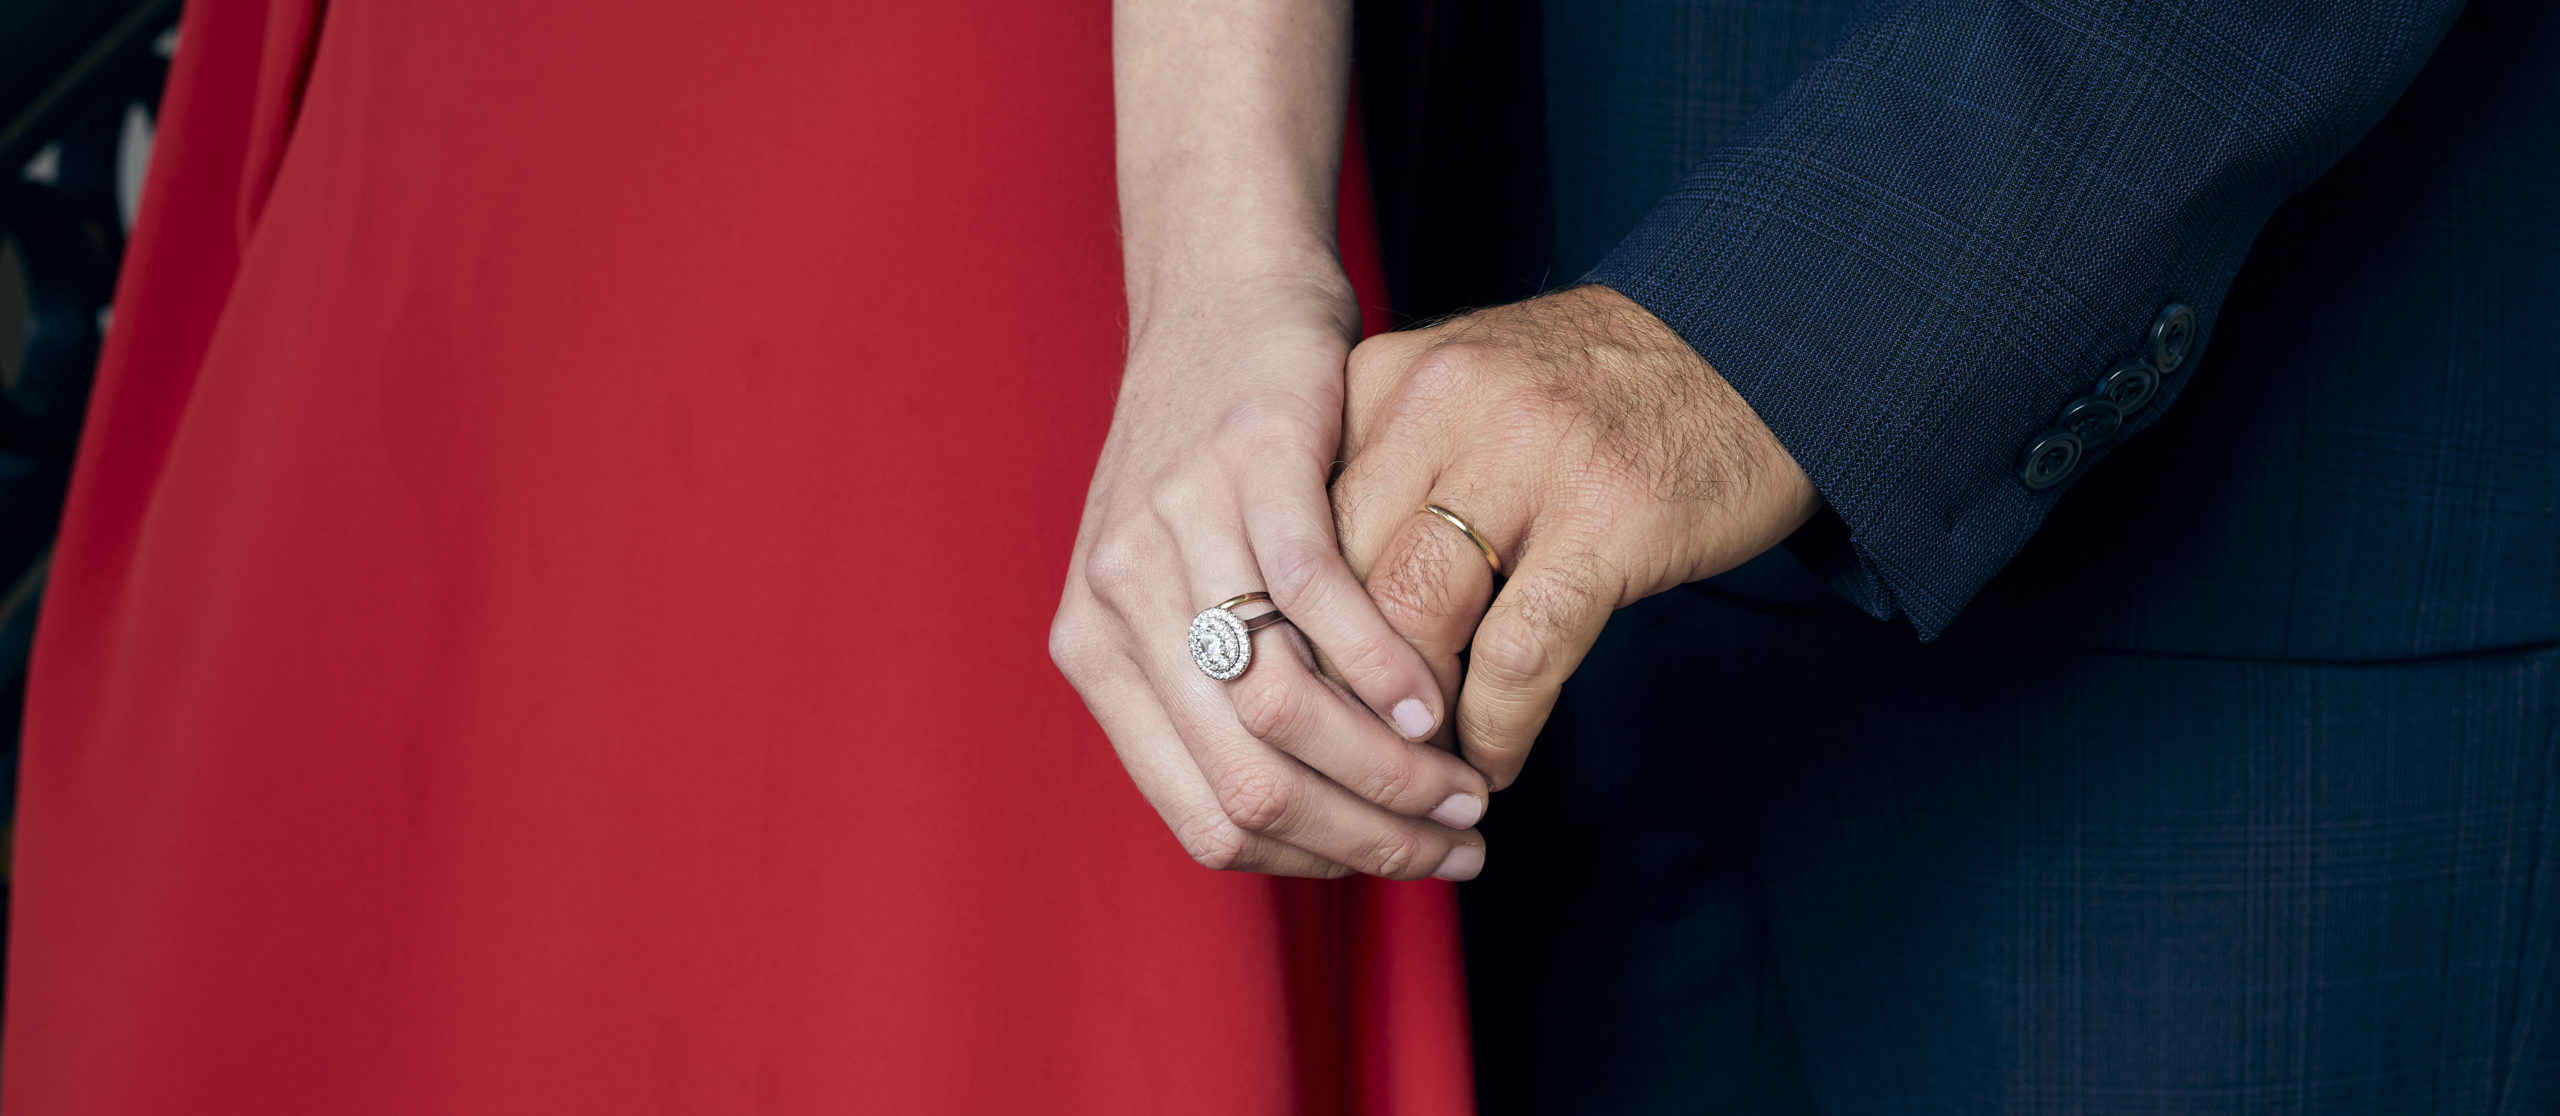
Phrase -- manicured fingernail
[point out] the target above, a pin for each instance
(1458, 811)
(1413, 718)
(1462, 863)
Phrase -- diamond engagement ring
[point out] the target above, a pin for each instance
(1222, 642)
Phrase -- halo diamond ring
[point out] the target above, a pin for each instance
(1222, 642)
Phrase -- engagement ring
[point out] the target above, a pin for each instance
(1222, 642)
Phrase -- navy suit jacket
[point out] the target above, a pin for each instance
(1769, 862)
(1914, 234)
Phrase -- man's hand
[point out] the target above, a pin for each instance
(1598, 454)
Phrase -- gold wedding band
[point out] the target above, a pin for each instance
(1490, 558)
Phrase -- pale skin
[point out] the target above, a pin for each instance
(1601, 457)
(1212, 482)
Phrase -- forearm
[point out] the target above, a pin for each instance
(1923, 276)
(1213, 478)
(1230, 118)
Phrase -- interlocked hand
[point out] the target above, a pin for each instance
(1213, 484)
(1597, 454)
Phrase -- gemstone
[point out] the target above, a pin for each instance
(1219, 644)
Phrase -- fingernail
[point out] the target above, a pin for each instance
(1458, 811)
(1462, 863)
(1413, 718)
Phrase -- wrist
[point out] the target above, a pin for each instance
(1249, 290)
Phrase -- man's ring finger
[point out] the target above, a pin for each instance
(1483, 545)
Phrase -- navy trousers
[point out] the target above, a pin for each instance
(1978, 877)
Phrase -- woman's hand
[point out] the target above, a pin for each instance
(1211, 484)
(1213, 481)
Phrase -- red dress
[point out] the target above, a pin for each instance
(552, 613)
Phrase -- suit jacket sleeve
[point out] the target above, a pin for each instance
(1919, 263)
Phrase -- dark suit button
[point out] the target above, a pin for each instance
(2049, 458)
(2092, 419)
(2173, 333)
(2130, 385)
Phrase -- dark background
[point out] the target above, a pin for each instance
(80, 85)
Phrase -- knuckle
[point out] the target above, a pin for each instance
(1255, 797)
(1294, 573)
(1412, 585)
(1116, 567)
(1561, 601)
(1510, 655)
(1393, 782)
(1444, 372)
(1375, 355)
(1214, 843)
(1365, 354)
(1400, 857)
(1537, 618)
(1182, 498)
(1073, 646)
(1268, 707)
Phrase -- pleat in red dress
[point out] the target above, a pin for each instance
(552, 613)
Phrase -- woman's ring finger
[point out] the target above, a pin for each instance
(1222, 641)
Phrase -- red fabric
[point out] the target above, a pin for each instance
(551, 615)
